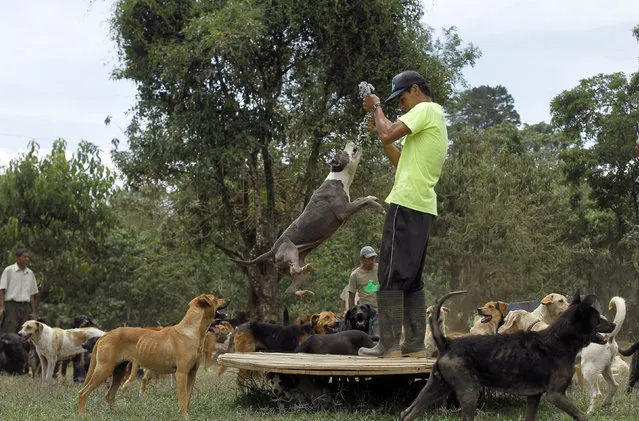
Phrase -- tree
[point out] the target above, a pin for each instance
(598, 118)
(241, 102)
(58, 208)
(482, 107)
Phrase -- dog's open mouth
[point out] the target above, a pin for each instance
(486, 319)
(360, 323)
(26, 336)
(330, 329)
(220, 314)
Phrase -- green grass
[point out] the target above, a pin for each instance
(216, 398)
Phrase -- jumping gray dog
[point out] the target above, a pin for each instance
(328, 209)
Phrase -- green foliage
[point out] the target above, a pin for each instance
(482, 107)
(504, 218)
(58, 208)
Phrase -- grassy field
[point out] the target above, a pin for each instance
(216, 398)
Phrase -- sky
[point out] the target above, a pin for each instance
(57, 57)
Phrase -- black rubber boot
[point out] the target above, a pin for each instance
(390, 312)
(414, 324)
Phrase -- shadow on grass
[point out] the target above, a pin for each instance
(382, 394)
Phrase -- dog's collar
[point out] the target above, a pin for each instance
(501, 320)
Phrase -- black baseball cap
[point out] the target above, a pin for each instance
(404, 81)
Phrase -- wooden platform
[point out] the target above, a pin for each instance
(326, 365)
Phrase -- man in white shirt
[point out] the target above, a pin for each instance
(18, 290)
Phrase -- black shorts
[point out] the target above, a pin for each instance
(403, 251)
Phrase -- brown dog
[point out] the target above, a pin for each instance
(174, 349)
(490, 317)
(324, 322)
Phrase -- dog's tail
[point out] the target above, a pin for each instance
(285, 318)
(258, 259)
(442, 342)
(629, 351)
(620, 304)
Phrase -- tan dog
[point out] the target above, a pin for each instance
(134, 371)
(304, 319)
(552, 305)
(521, 321)
(53, 344)
(489, 318)
(174, 349)
(324, 322)
(210, 341)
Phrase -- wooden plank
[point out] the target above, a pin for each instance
(325, 365)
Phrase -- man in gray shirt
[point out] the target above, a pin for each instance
(18, 290)
(363, 280)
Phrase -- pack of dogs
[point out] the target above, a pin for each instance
(516, 351)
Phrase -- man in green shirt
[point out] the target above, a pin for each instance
(363, 280)
(412, 211)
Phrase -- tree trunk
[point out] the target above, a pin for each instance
(262, 306)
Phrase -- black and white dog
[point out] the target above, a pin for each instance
(329, 207)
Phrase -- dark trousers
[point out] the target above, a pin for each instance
(403, 251)
(15, 314)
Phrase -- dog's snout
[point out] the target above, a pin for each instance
(480, 311)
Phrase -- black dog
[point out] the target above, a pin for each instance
(524, 363)
(14, 354)
(362, 317)
(340, 343)
(90, 344)
(80, 361)
(634, 364)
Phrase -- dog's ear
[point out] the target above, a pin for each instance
(509, 322)
(339, 161)
(547, 300)
(39, 327)
(445, 309)
(314, 319)
(502, 306)
(576, 298)
(204, 301)
(589, 300)
(349, 313)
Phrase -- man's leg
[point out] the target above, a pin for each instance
(389, 298)
(12, 322)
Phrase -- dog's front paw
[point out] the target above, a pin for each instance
(379, 208)
(305, 294)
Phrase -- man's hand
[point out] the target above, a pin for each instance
(369, 101)
(1, 310)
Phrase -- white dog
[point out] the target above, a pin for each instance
(54, 344)
(521, 321)
(599, 359)
(551, 306)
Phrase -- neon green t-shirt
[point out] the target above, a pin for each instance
(422, 158)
